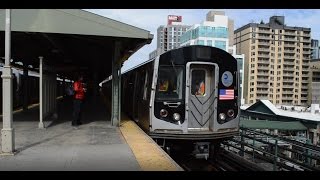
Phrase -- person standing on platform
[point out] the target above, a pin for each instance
(79, 95)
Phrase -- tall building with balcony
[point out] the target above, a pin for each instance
(168, 37)
(314, 82)
(277, 61)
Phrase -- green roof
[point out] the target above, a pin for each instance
(262, 124)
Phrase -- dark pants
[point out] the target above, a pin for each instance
(77, 109)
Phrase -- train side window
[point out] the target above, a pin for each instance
(198, 82)
(145, 87)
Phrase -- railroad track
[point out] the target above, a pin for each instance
(225, 161)
(233, 162)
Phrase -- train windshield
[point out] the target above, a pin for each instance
(170, 83)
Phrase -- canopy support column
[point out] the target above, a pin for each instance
(116, 83)
(41, 125)
(7, 132)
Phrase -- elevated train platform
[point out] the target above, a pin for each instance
(95, 146)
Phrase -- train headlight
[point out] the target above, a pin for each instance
(230, 112)
(163, 113)
(222, 116)
(176, 116)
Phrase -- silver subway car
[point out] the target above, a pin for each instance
(185, 96)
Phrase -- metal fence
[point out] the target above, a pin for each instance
(284, 153)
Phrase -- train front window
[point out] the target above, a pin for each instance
(170, 83)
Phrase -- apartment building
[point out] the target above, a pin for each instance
(314, 82)
(277, 61)
(168, 37)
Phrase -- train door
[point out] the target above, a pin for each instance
(201, 95)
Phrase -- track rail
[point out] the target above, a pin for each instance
(224, 161)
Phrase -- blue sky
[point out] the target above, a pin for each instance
(151, 19)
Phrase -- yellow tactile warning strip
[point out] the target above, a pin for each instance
(148, 154)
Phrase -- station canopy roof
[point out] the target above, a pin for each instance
(280, 125)
(70, 40)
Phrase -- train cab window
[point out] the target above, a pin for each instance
(170, 80)
(198, 82)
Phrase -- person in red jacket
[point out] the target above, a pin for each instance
(79, 93)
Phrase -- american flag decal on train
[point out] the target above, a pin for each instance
(226, 94)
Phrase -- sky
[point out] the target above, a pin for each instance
(151, 19)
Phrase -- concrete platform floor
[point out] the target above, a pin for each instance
(96, 145)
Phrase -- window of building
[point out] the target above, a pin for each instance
(252, 71)
(220, 44)
(209, 42)
(200, 42)
(220, 32)
(253, 41)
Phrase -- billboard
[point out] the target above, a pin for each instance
(174, 18)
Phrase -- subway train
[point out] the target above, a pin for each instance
(32, 86)
(186, 98)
